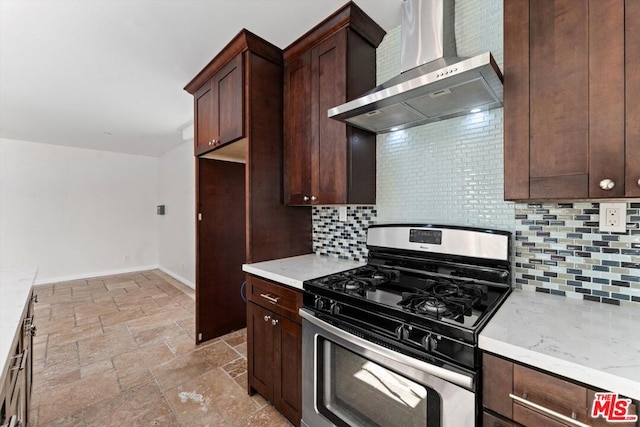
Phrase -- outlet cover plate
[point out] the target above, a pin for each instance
(613, 217)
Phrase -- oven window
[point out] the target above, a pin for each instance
(354, 391)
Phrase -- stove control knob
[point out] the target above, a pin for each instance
(335, 308)
(429, 342)
(320, 303)
(402, 333)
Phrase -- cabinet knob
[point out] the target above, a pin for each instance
(314, 198)
(305, 198)
(274, 322)
(638, 184)
(267, 318)
(607, 184)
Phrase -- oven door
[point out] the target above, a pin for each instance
(349, 381)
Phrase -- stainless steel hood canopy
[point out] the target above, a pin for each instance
(435, 83)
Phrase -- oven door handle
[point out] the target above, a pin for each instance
(454, 377)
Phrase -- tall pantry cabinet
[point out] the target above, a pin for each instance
(241, 217)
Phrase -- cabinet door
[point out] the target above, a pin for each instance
(228, 106)
(564, 122)
(328, 86)
(260, 335)
(297, 132)
(218, 105)
(288, 369)
(559, 98)
(220, 248)
(632, 89)
(204, 126)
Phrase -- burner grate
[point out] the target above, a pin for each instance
(444, 298)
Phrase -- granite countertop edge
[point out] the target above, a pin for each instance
(293, 271)
(588, 342)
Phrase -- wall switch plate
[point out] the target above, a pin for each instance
(342, 213)
(613, 217)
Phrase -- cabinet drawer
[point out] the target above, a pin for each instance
(489, 420)
(550, 392)
(277, 298)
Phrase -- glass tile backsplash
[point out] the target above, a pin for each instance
(559, 249)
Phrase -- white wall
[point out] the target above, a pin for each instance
(75, 212)
(176, 229)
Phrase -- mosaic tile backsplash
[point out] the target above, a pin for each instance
(342, 239)
(560, 250)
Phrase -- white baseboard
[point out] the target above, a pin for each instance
(96, 274)
(178, 277)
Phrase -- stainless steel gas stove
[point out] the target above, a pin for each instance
(395, 342)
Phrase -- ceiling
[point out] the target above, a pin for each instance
(108, 74)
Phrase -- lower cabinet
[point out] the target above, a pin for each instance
(15, 391)
(517, 395)
(274, 345)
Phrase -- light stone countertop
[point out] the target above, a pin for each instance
(293, 271)
(593, 343)
(15, 286)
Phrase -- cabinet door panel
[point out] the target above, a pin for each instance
(288, 369)
(204, 124)
(220, 198)
(516, 100)
(298, 124)
(228, 109)
(260, 350)
(632, 89)
(328, 64)
(559, 91)
(606, 108)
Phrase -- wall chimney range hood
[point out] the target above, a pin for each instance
(435, 84)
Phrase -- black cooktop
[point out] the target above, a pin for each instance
(427, 295)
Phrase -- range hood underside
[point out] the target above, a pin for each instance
(438, 95)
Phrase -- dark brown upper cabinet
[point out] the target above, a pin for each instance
(327, 161)
(570, 99)
(218, 108)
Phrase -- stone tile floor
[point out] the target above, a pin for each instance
(119, 350)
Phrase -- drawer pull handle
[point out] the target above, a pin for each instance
(23, 360)
(272, 300)
(547, 411)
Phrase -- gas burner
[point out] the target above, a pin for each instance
(432, 305)
(360, 280)
(443, 298)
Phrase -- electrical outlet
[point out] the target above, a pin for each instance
(613, 217)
